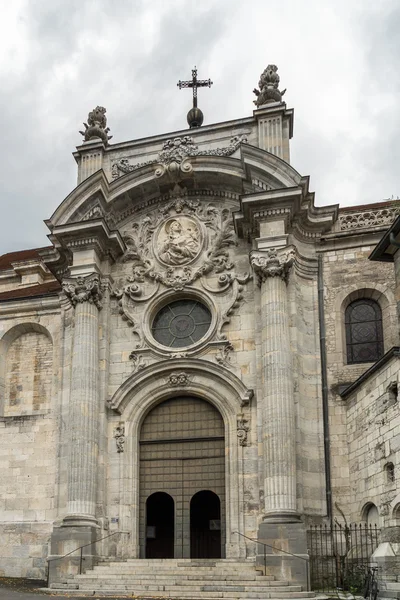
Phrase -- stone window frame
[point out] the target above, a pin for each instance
(6, 340)
(390, 475)
(384, 296)
(376, 343)
(169, 296)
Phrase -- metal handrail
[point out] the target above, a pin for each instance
(307, 560)
(49, 560)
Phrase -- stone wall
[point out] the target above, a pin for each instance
(29, 359)
(373, 434)
(348, 275)
(29, 372)
(27, 493)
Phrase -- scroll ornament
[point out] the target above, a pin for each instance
(272, 263)
(119, 435)
(83, 289)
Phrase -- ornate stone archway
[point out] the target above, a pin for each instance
(161, 381)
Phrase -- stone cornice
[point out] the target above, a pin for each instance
(272, 263)
(84, 289)
(89, 234)
(393, 352)
(294, 205)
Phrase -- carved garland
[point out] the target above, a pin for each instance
(174, 156)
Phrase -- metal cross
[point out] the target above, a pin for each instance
(195, 83)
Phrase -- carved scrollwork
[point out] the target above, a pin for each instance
(178, 241)
(137, 360)
(173, 159)
(181, 379)
(242, 431)
(83, 289)
(119, 435)
(272, 263)
(223, 355)
(183, 243)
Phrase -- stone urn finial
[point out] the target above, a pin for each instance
(268, 84)
(96, 127)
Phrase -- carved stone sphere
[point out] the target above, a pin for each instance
(195, 117)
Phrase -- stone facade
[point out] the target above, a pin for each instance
(182, 315)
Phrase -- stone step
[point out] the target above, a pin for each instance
(236, 575)
(186, 579)
(216, 587)
(190, 596)
(227, 566)
(200, 595)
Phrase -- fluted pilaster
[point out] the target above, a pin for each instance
(279, 440)
(85, 296)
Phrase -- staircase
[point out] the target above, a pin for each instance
(181, 579)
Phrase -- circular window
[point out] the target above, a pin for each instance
(181, 323)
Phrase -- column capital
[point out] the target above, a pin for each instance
(273, 263)
(83, 289)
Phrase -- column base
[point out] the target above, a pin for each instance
(65, 539)
(77, 520)
(285, 532)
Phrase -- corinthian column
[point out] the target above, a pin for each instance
(85, 295)
(279, 437)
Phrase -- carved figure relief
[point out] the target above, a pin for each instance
(178, 241)
(167, 249)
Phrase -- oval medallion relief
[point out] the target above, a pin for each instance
(179, 241)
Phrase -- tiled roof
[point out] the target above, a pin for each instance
(12, 257)
(43, 289)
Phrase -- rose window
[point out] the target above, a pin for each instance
(181, 323)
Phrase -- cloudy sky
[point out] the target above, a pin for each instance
(338, 59)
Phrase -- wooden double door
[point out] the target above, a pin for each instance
(182, 481)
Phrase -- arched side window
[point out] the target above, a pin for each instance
(364, 333)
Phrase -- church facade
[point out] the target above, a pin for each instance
(202, 358)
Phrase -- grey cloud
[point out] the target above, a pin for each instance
(87, 52)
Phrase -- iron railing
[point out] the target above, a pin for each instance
(340, 554)
(80, 548)
(265, 546)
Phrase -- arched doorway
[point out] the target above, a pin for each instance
(182, 452)
(160, 526)
(205, 525)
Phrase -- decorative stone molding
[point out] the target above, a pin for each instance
(272, 263)
(119, 435)
(137, 360)
(174, 156)
(246, 398)
(177, 193)
(363, 219)
(223, 355)
(84, 289)
(168, 249)
(205, 379)
(242, 431)
(179, 379)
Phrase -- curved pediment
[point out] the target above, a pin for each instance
(251, 171)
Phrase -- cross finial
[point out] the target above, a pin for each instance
(195, 83)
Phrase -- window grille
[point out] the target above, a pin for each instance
(364, 333)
